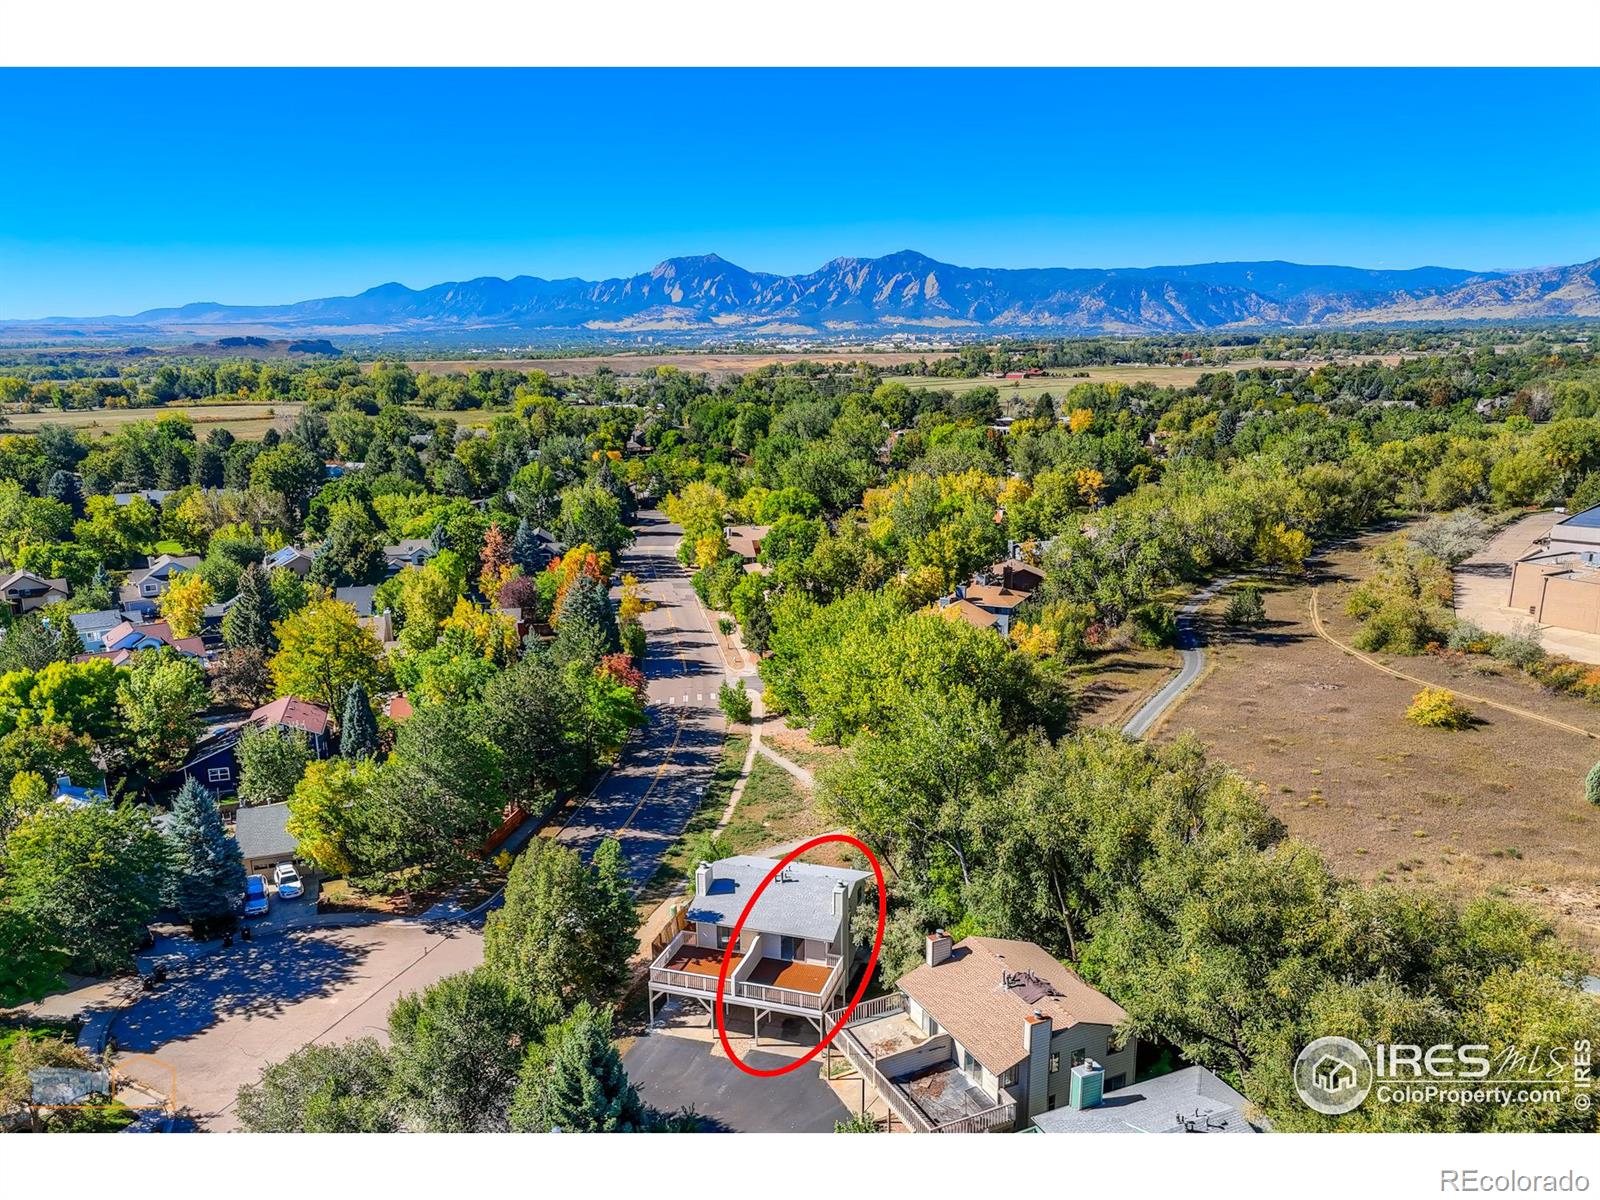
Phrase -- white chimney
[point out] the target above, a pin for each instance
(839, 890)
(702, 879)
(939, 946)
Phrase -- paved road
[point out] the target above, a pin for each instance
(218, 1021)
(1192, 652)
(658, 783)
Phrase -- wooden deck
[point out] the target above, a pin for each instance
(698, 960)
(799, 976)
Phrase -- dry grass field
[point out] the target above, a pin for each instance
(246, 421)
(1499, 807)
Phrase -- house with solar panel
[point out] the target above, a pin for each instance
(793, 959)
(987, 1034)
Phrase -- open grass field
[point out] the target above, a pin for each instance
(246, 421)
(1059, 381)
(1498, 807)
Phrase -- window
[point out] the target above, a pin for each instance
(1055, 1061)
(1009, 1078)
(1077, 1058)
(218, 774)
(1052, 1104)
(791, 949)
(724, 934)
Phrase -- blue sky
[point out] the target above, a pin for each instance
(133, 189)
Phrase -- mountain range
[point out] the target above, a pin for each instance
(906, 292)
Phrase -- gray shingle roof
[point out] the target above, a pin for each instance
(800, 903)
(1192, 1100)
(260, 831)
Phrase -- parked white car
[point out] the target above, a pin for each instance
(287, 880)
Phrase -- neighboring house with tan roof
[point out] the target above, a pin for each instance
(24, 591)
(986, 1034)
(745, 540)
(952, 609)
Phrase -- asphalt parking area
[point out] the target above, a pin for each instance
(673, 1071)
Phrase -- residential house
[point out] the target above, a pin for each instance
(146, 585)
(1013, 574)
(408, 552)
(214, 761)
(24, 591)
(794, 957)
(123, 641)
(952, 609)
(292, 558)
(1001, 600)
(262, 831)
(986, 1035)
(358, 598)
(154, 495)
(745, 540)
(1189, 1100)
(1577, 533)
(550, 548)
(92, 627)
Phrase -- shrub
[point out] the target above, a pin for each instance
(1591, 784)
(1468, 637)
(735, 702)
(1245, 607)
(725, 625)
(1402, 626)
(1521, 649)
(1154, 624)
(633, 640)
(1438, 708)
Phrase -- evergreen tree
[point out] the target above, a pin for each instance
(248, 625)
(358, 729)
(587, 604)
(1591, 784)
(208, 872)
(574, 1081)
(63, 486)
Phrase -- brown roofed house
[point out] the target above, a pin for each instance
(989, 1032)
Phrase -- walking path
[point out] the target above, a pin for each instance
(1322, 632)
(1193, 655)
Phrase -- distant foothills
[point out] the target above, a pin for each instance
(903, 293)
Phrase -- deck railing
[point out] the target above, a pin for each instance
(767, 993)
(899, 1103)
(871, 1010)
(1001, 1116)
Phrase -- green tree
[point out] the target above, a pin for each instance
(358, 728)
(248, 623)
(344, 1087)
(457, 1051)
(735, 703)
(207, 871)
(565, 931)
(1591, 785)
(160, 701)
(324, 650)
(30, 963)
(90, 879)
(589, 513)
(574, 1081)
(271, 762)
